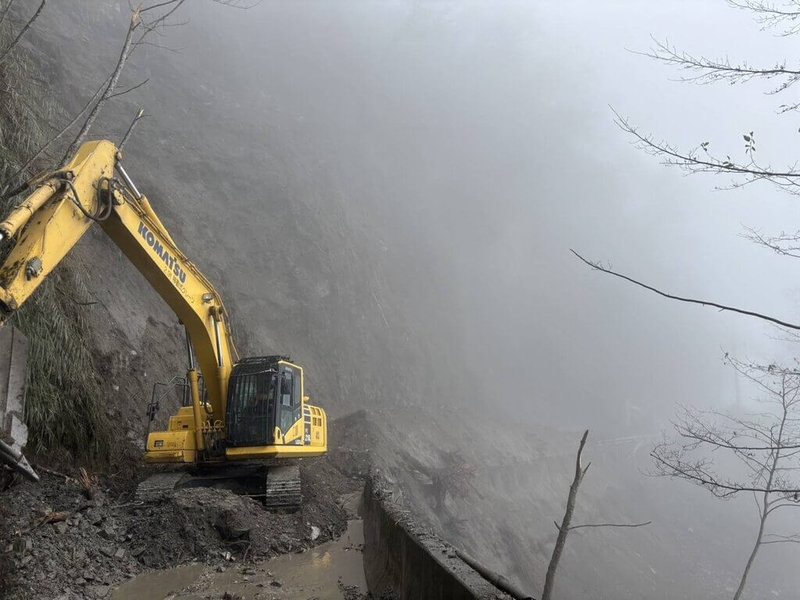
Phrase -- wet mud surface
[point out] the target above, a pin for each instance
(57, 543)
(331, 571)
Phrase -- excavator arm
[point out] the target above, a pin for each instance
(95, 189)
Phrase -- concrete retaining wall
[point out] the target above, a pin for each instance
(411, 563)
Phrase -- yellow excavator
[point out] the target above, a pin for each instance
(245, 417)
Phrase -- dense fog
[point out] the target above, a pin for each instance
(477, 142)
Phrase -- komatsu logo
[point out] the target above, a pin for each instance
(170, 261)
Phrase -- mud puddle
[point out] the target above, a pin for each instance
(156, 585)
(331, 571)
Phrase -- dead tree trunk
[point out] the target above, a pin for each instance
(751, 559)
(765, 502)
(563, 529)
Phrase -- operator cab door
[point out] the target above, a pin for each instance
(290, 406)
(252, 401)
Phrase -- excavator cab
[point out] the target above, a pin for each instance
(267, 416)
(267, 420)
(252, 401)
(265, 403)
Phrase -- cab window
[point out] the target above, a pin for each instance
(291, 405)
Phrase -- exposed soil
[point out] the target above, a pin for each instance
(57, 543)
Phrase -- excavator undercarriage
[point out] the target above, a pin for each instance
(276, 485)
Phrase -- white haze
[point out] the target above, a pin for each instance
(491, 127)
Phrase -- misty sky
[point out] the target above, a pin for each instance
(483, 133)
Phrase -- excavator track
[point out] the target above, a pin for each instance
(277, 486)
(159, 486)
(283, 488)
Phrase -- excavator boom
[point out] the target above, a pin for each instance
(59, 213)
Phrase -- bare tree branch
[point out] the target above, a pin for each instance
(771, 461)
(563, 529)
(720, 488)
(128, 90)
(610, 525)
(767, 445)
(112, 84)
(722, 307)
(785, 244)
(701, 160)
(10, 181)
(22, 31)
(107, 90)
(705, 70)
(139, 115)
(241, 4)
(769, 16)
(782, 539)
(5, 11)
(138, 23)
(157, 5)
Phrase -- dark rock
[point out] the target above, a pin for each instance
(94, 516)
(99, 591)
(22, 545)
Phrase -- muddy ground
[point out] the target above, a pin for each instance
(58, 543)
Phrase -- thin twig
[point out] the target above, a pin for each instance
(610, 525)
(139, 115)
(128, 90)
